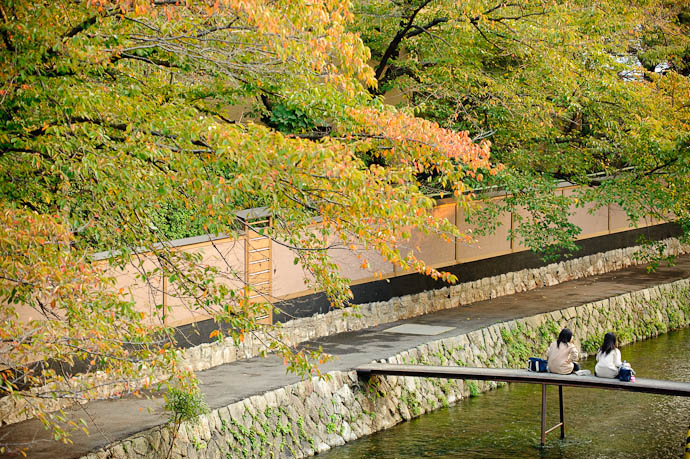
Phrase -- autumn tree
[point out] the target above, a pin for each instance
(112, 113)
(565, 91)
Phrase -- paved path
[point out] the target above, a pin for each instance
(226, 384)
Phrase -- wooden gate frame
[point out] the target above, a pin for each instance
(258, 259)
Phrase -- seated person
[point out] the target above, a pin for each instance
(608, 358)
(562, 354)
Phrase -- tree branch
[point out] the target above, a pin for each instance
(6, 39)
(394, 45)
(425, 28)
(481, 32)
(661, 166)
(80, 27)
(153, 61)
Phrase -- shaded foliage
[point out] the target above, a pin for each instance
(557, 88)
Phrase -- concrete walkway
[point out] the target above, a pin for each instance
(117, 419)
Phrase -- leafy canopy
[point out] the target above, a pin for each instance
(565, 91)
(114, 112)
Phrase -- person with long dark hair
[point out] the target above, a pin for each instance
(562, 355)
(608, 358)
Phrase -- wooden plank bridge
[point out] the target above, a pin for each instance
(650, 386)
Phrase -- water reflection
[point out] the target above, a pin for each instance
(599, 423)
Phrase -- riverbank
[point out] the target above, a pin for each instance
(312, 416)
(259, 411)
(504, 423)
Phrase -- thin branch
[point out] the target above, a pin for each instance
(153, 61)
(661, 166)
(481, 32)
(88, 22)
(425, 28)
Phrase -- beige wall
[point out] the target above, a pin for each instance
(488, 246)
(288, 277)
(350, 262)
(431, 248)
(225, 255)
(618, 220)
(290, 280)
(593, 222)
(146, 293)
(438, 253)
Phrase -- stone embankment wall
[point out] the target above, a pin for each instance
(315, 415)
(372, 314)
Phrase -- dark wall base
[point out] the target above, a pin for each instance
(196, 333)
(384, 290)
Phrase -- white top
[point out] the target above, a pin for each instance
(608, 364)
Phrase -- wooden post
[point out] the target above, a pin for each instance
(455, 246)
(608, 215)
(544, 430)
(166, 319)
(560, 403)
(543, 415)
(512, 235)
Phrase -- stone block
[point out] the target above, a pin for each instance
(236, 411)
(570, 313)
(214, 422)
(259, 403)
(534, 322)
(118, 452)
(281, 396)
(140, 445)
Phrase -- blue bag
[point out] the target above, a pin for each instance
(537, 364)
(624, 374)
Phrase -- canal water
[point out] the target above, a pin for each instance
(504, 423)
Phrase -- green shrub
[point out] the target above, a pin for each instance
(185, 405)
